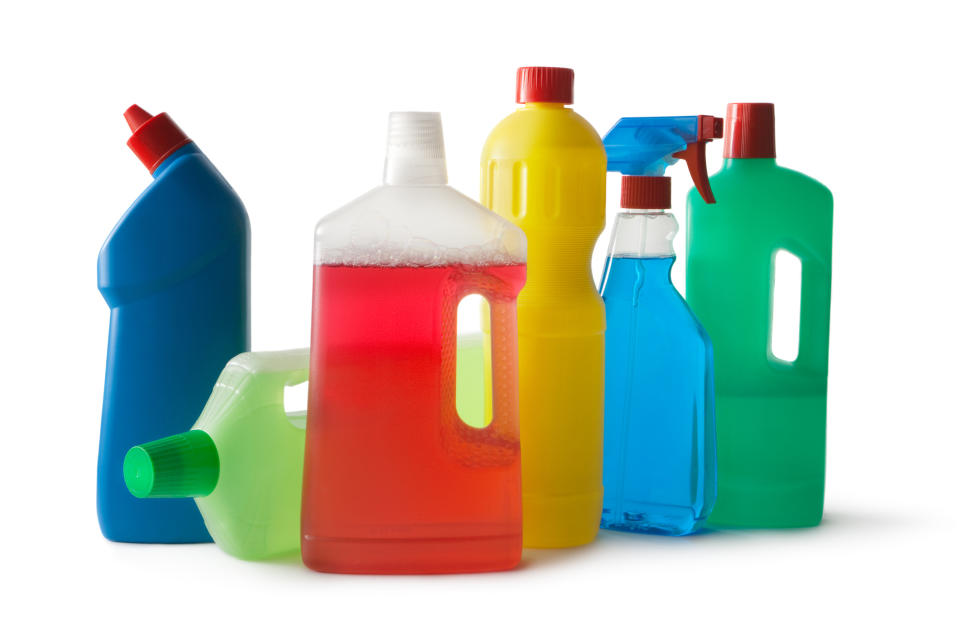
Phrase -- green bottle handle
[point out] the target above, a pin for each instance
(274, 371)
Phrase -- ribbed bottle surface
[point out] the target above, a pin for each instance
(184, 465)
(415, 152)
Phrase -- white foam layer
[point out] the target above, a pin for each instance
(417, 227)
(419, 254)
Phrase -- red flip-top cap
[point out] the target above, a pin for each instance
(750, 131)
(154, 137)
(545, 84)
(645, 192)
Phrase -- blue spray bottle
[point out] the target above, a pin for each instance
(175, 272)
(659, 456)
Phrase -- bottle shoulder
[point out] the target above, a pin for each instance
(417, 226)
(527, 132)
(251, 388)
(545, 169)
(765, 204)
(286, 364)
(185, 218)
(193, 176)
(803, 181)
(766, 182)
(683, 323)
(662, 313)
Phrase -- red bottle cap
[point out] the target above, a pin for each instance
(545, 84)
(750, 131)
(154, 137)
(645, 192)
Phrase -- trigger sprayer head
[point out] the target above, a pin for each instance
(647, 146)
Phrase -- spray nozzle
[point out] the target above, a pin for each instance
(647, 146)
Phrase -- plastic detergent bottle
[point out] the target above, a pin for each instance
(771, 408)
(660, 452)
(544, 168)
(394, 480)
(242, 461)
(175, 272)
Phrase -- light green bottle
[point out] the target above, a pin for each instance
(242, 461)
(771, 413)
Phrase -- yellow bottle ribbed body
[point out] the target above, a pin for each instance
(544, 169)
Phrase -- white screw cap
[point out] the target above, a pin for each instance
(415, 153)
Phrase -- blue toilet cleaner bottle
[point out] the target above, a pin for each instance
(175, 272)
(660, 457)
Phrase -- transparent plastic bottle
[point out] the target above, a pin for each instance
(660, 456)
(394, 480)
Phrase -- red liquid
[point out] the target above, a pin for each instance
(394, 481)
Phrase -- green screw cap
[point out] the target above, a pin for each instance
(185, 465)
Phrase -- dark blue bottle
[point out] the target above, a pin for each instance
(659, 467)
(175, 272)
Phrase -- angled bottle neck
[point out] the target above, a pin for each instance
(185, 150)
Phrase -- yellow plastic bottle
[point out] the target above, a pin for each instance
(544, 169)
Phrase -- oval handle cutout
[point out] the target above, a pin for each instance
(295, 404)
(473, 360)
(785, 308)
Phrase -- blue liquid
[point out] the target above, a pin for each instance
(659, 457)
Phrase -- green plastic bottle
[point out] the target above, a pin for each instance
(242, 461)
(771, 413)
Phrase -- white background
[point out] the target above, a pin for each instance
(290, 102)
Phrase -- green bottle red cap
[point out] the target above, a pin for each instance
(750, 131)
(154, 137)
(185, 465)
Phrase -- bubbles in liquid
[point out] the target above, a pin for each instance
(420, 253)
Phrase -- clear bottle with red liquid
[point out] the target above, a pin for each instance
(394, 480)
